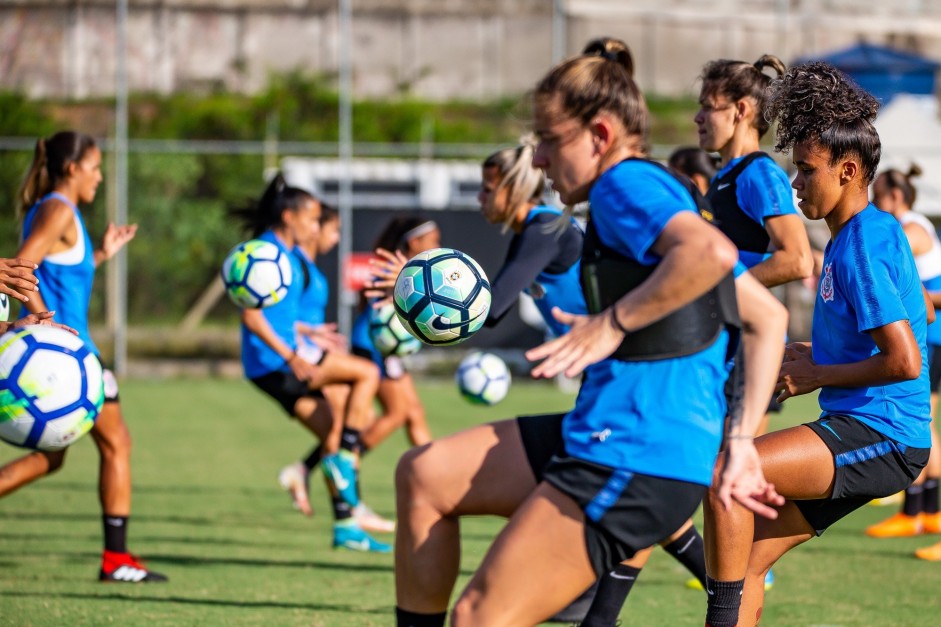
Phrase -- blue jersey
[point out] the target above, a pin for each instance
(869, 280)
(257, 357)
(66, 278)
(662, 418)
(934, 329)
(313, 299)
(763, 191)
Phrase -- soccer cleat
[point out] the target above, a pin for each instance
(369, 520)
(892, 499)
(340, 470)
(931, 553)
(769, 580)
(348, 535)
(898, 526)
(125, 568)
(931, 523)
(293, 478)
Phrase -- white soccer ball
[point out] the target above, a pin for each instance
(388, 335)
(442, 296)
(483, 378)
(51, 388)
(4, 307)
(257, 274)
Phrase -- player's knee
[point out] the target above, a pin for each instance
(55, 459)
(412, 472)
(465, 611)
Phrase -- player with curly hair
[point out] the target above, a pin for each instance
(867, 355)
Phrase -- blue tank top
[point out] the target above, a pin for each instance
(257, 357)
(66, 278)
(561, 290)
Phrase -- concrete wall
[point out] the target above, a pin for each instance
(432, 48)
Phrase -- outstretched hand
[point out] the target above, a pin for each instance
(116, 237)
(742, 480)
(17, 279)
(589, 340)
(384, 269)
(43, 318)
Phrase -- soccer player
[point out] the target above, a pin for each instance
(695, 163)
(588, 490)
(66, 172)
(867, 355)
(287, 217)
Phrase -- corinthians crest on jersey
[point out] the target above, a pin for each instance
(826, 283)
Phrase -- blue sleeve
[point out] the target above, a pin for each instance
(763, 191)
(869, 279)
(739, 269)
(631, 204)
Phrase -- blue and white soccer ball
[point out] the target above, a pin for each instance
(483, 378)
(4, 307)
(442, 296)
(387, 333)
(256, 274)
(51, 388)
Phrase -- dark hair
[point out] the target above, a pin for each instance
(51, 160)
(689, 160)
(328, 213)
(740, 79)
(895, 179)
(816, 102)
(279, 197)
(601, 79)
(392, 237)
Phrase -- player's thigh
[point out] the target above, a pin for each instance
(344, 368)
(483, 470)
(797, 462)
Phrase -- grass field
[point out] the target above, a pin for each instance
(208, 513)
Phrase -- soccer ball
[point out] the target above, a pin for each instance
(256, 274)
(442, 296)
(51, 388)
(483, 378)
(4, 307)
(387, 333)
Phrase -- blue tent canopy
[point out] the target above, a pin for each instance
(883, 72)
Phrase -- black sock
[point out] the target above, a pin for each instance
(930, 495)
(688, 551)
(313, 458)
(350, 440)
(115, 533)
(914, 500)
(341, 509)
(404, 618)
(725, 600)
(613, 589)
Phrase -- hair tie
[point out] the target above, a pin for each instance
(610, 55)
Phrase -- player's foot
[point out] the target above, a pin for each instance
(892, 499)
(369, 520)
(931, 553)
(931, 523)
(694, 584)
(348, 535)
(340, 470)
(898, 526)
(124, 567)
(293, 478)
(769, 579)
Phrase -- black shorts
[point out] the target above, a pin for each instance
(110, 383)
(624, 512)
(285, 388)
(934, 367)
(867, 465)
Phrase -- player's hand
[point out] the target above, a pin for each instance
(589, 340)
(116, 237)
(17, 279)
(798, 373)
(326, 337)
(742, 480)
(43, 318)
(302, 369)
(385, 269)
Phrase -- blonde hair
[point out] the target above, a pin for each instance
(522, 182)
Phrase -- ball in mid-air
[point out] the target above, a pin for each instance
(51, 387)
(442, 296)
(256, 274)
(387, 333)
(483, 378)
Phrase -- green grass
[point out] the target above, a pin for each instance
(208, 512)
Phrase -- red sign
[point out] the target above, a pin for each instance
(356, 271)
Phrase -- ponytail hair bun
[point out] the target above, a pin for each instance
(613, 50)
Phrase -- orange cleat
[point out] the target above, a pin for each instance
(931, 523)
(898, 526)
(930, 553)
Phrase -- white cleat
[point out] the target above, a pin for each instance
(369, 520)
(293, 478)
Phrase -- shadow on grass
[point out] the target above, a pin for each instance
(145, 538)
(229, 518)
(175, 490)
(137, 598)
